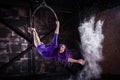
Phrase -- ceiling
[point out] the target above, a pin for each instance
(68, 5)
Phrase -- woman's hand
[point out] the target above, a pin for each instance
(57, 27)
(81, 61)
(57, 23)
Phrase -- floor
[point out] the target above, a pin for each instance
(55, 76)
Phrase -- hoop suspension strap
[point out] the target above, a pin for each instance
(43, 4)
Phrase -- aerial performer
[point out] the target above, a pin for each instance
(58, 52)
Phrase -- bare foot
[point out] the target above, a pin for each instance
(30, 30)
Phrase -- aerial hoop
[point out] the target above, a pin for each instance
(43, 4)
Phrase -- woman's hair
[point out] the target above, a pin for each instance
(65, 54)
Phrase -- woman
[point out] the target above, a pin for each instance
(58, 52)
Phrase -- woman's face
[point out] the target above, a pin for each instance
(62, 48)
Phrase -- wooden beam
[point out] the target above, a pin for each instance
(3, 67)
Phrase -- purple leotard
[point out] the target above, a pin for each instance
(48, 52)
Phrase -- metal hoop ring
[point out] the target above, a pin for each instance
(43, 4)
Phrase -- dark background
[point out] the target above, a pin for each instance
(18, 57)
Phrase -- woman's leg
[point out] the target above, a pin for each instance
(36, 38)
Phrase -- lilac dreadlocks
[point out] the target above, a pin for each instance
(62, 57)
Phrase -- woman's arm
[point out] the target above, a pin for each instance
(57, 27)
(55, 38)
(80, 61)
